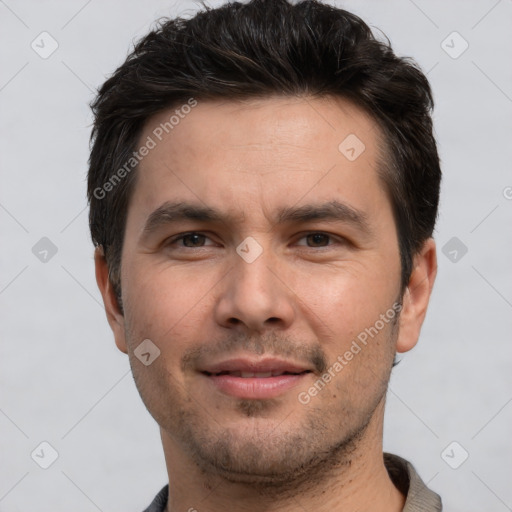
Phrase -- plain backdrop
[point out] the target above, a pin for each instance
(63, 381)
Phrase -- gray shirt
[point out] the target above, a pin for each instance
(419, 497)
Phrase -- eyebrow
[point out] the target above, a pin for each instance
(170, 212)
(334, 211)
(330, 211)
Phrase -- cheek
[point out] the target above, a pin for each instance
(163, 304)
(346, 302)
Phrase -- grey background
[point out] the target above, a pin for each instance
(63, 381)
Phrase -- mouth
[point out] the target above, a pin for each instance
(249, 379)
(252, 375)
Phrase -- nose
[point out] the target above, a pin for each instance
(255, 297)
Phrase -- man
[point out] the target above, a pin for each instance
(263, 186)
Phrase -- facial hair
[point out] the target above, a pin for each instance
(269, 453)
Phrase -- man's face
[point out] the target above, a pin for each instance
(301, 287)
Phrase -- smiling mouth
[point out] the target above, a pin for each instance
(250, 385)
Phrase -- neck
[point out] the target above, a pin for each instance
(354, 482)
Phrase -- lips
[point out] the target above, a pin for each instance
(258, 375)
(241, 365)
(252, 379)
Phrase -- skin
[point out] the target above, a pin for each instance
(303, 299)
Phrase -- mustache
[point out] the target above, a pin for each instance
(271, 344)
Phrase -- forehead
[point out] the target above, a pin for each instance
(260, 153)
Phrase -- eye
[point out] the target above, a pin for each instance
(317, 239)
(190, 240)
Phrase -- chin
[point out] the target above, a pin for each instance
(269, 453)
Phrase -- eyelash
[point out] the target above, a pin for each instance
(177, 238)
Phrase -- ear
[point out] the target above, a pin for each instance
(417, 296)
(114, 316)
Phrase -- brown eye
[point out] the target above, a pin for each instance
(318, 239)
(193, 240)
(321, 240)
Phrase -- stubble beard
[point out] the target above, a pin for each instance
(274, 461)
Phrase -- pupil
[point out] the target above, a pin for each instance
(318, 239)
(195, 240)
